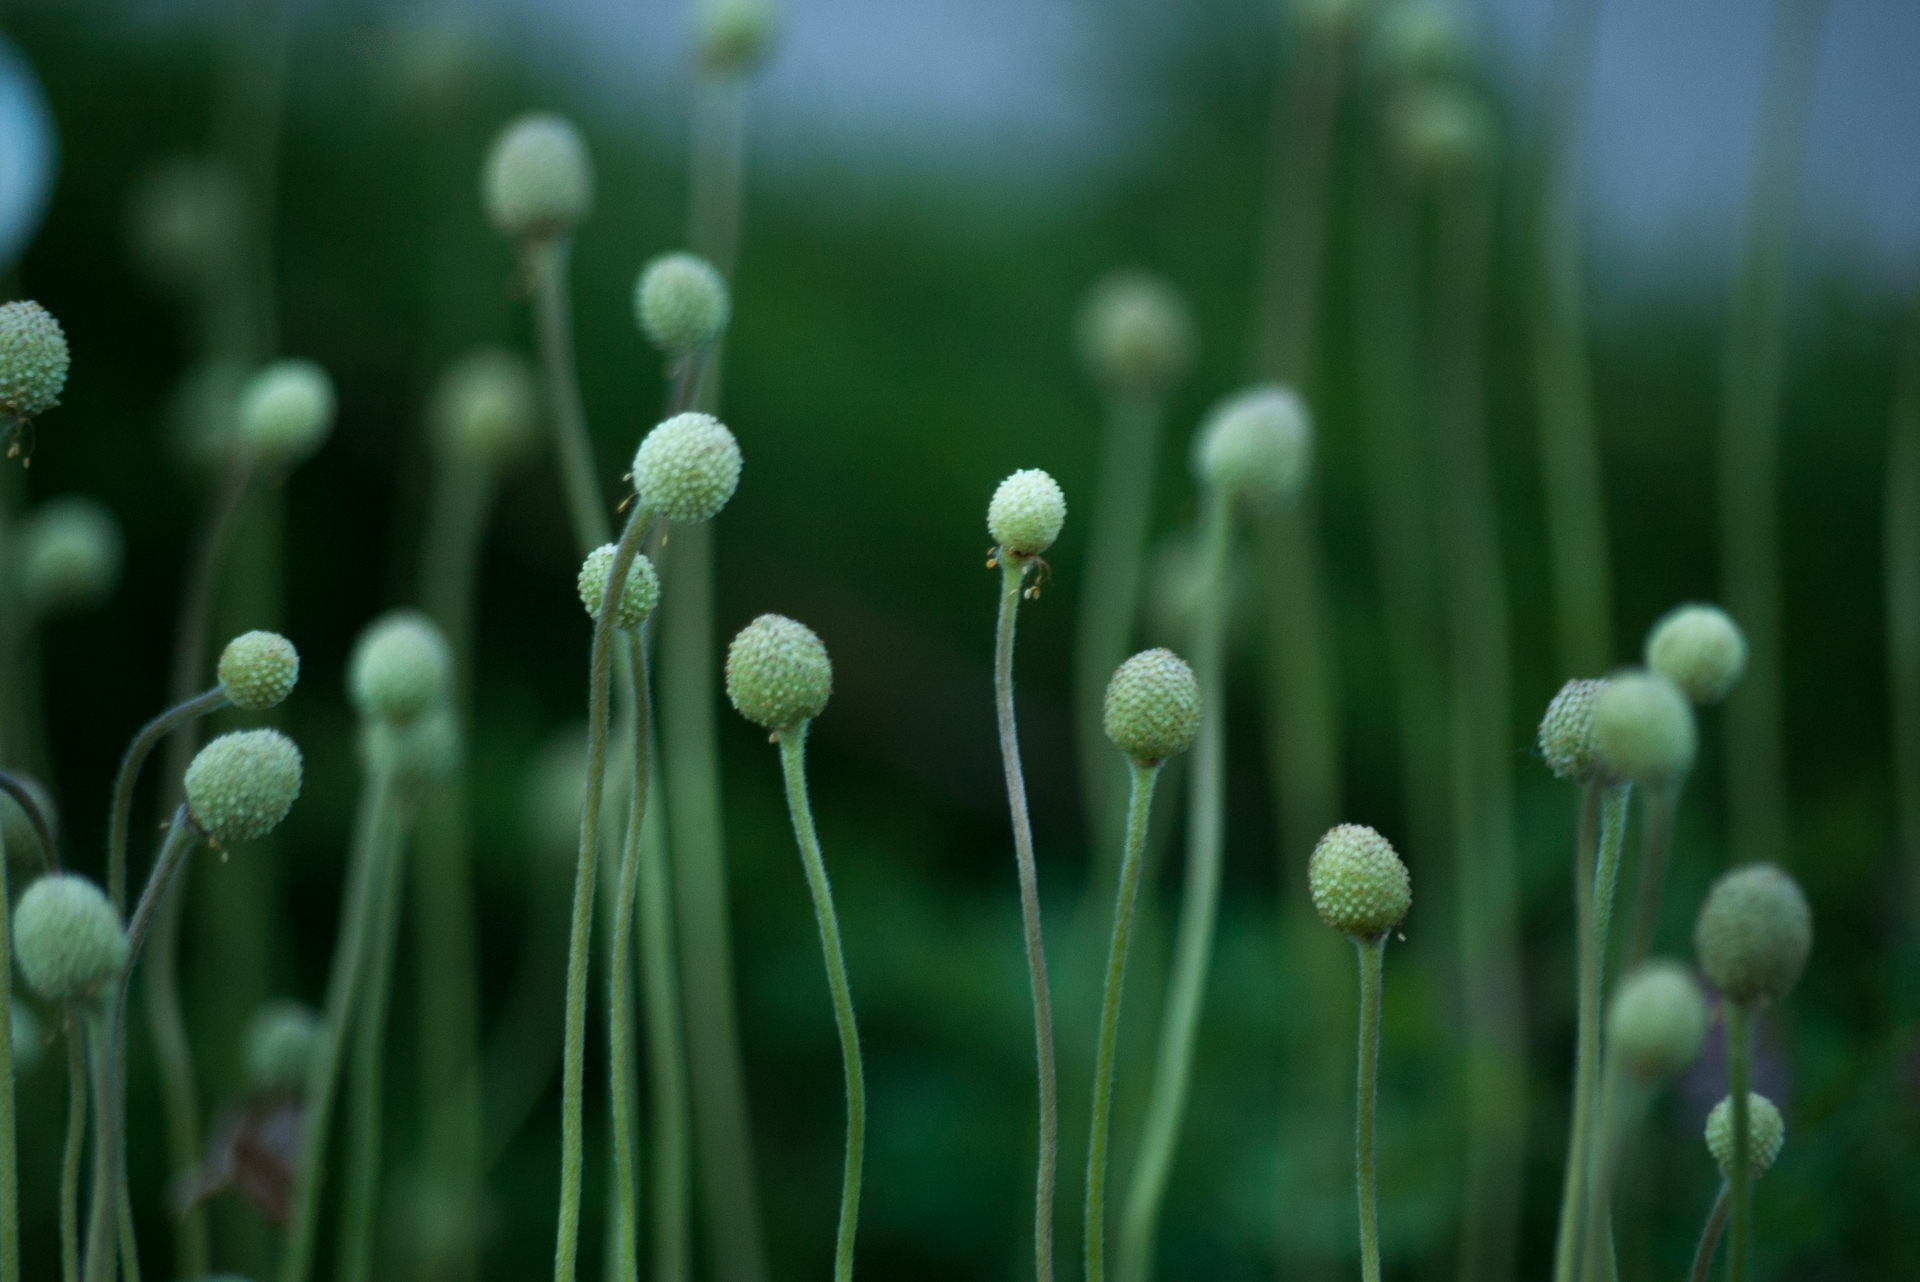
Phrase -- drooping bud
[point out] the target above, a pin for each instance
(1152, 708)
(258, 670)
(1256, 445)
(1753, 933)
(401, 667)
(1566, 732)
(487, 408)
(68, 938)
(33, 360)
(687, 468)
(1136, 337)
(538, 180)
(279, 1046)
(1657, 1020)
(1766, 1134)
(778, 673)
(286, 412)
(681, 303)
(638, 595)
(1359, 885)
(733, 37)
(240, 786)
(1026, 513)
(1700, 649)
(1643, 728)
(71, 557)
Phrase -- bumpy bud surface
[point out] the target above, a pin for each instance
(1700, 649)
(33, 360)
(286, 411)
(734, 36)
(1766, 1134)
(1657, 1019)
(1026, 512)
(1152, 709)
(1359, 885)
(681, 303)
(1136, 336)
(1753, 933)
(1643, 728)
(687, 468)
(71, 556)
(68, 937)
(538, 180)
(279, 1045)
(778, 673)
(1566, 732)
(1257, 445)
(240, 786)
(1442, 129)
(638, 596)
(487, 408)
(258, 670)
(401, 667)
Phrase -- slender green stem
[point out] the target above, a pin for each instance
(1624, 1101)
(586, 507)
(667, 1056)
(793, 763)
(1372, 954)
(620, 1025)
(42, 825)
(9, 1158)
(70, 1160)
(1606, 880)
(100, 1260)
(1739, 1075)
(1710, 1235)
(1901, 558)
(1586, 1058)
(1657, 809)
(120, 818)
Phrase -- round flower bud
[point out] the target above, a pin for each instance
(538, 180)
(1257, 445)
(1442, 129)
(279, 1045)
(423, 752)
(1136, 337)
(23, 839)
(681, 303)
(258, 670)
(33, 360)
(286, 411)
(1359, 885)
(487, 408)
(29, 1039)
(1657, 1019)
(778, 673)
(1753, 933)
(1566, 732)
(71, 556)
(638, 595)
(1026, 513)
(240, 786)
(1700, 649)
(733, 37)
(1643, 728)
(1152, 709)
(1766, 1134)
(401, 667)
(687, 468)
(68, 937)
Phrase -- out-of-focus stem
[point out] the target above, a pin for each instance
(9, 1159)
(1710, 1235)
(621, 1033)
(70, 1159)
(1624, 1101)
(1740, 1181)
(1658, 803)
(1367, 1097)
(553, 310)
(1902, 557)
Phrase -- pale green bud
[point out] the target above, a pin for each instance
(638, 595)
(487, 408)
(1026, 513)
(258, 670)
(286, 412)
(240, 786)
(778, 673)
(1136, 336)
(1566, 732)
(1256, 445)
(538, 181)
(279, 1046)
(1152, 708)
(1766, 1134)
(1643, 728)
(687, 468)
(33, 360)
(1657, 1019)
(681, 303)
(1753, 933)
(401, 667)
(1700, 649)
(1359, 885)
(71, 555)
(68, 938)
(733, 37)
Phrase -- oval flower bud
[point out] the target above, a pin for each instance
(1256, 445)
(258, 670)
(1566, 732)
(687, 468)
(733, 37)
(487, 408)
(71, 555)
(401, 667)
(1136, 336)
(681, 304)
(1359, 885)
(1643, 728)
(286, 411)
(1766, 1134)
(68, 938)
(538, 180)
(1753, 933)
(279, 1045)
(638, 596)
(778, 673)
(240, 786)
(1152, 708)
(1657, 1019)
(1700, 649)
(33, 360)
(1026, 513)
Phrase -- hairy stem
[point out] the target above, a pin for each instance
(1372, 955)
(553, 311)
(1657, 807)
(1586, 1055)
(70, 1159)
(120, 818)
(1740, 1182)
(621, 1034)
(667, 1056)
(1710, 1235)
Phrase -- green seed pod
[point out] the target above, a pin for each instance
(279, 1046)
(778, 673)
(1766, 1134)
(1026, 513)
(68, 938)
(638, 595)
(733, 37)
(538, 180)
(486, 408)
(1566, 732)
(33, 360)
(1359, 885)
(681, 303)
(71, 557)
(687, 468)
(1256, 445)
(1136, 336)
(258, 670)
(1152, 709)
(1700, 649)
(1643, 728)
(1657, 1019)
(1442, 129)
(240, 786)
(23, 841)
(286, 412)
(1753, 933)
(29, 1039)
(185, 221)
(402, 666)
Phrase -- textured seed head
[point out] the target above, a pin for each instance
(258, 670)
(71, 555)
(1256, 445)
(1152, 709)
(1657, 1019)
(240, 786)
(1136, 336)
(1700, 649)
(1566, 732)
(1442, 128)
(1753, 933)
(638, 597)
(33, 360)
(733, 37)
(538, 180)
(401, 667)
(68, 938)
(422, 752)
(23, 841)
(687, 468)
(1766, 1134)
(29, 1039)
(1359, 885)
(1026, 512)
(279, 1045)
(185, 218)
(778, 673)
(1643, 728)
(681, 303)
(286, 411)
(487, 408)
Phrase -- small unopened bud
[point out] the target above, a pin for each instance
(681, 304)
(1136, 337)
(1753, 933)
(33, 360)
(279, 1046)
(1359, 885)
(1643, 728)
(1766, 1134)
(733, 37)
(1566, 732)
(71, 556)
(778, 673)
(1700, 649)
(487, 408)
(1442, 129)
(240, 786)
(638, 595)
(68, 938)
(538, 180)
(1026, 513)
(687, 468)
(1657, 1020)
(401, 667)
(258, 670)
(1256, 445)
(286, 412)
(1152, 708)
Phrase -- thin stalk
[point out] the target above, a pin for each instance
(621, 1033)
(1657, 809)
(121, 816)
(1902, 558)
(1625, 1098)
(1710, 1235)
(586, 506)
(9, 1158)
(1367, 1095)
(43, 827)
(101, 1259)
(667, 1056)
(793, 764)
(1740, 1182)
(1199, 908)
(70, 1160)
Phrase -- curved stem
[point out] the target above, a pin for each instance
(70, 1160)
(1710, 1235)
(42, 827)
(1740, 1182)
(586, 507)
(793, 762)
(620, 1025)
(666, 1050)
(120, 818)
(1372, 955)
(1657, 809)
(1624, 1100)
